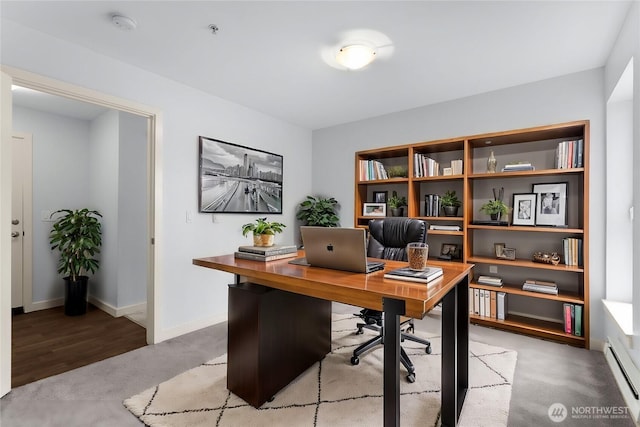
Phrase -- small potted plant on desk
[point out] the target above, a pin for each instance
(263, 231)
(450, 203)
(495, 208)
(77, 235)
(397, 204)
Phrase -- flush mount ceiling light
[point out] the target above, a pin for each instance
(123, 22)
(355, 56)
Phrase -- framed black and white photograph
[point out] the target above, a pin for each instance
(374, 209)
(524, 209)
(450, 251)
(238, 179)
(499, 249)
(380, 196)
(551, 204)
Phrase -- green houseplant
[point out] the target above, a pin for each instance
(77, 235)
(450, 203)
(319, 211)
(397, 204)
(495, 208)
(263, 231)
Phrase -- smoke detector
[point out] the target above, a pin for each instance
(123, 22)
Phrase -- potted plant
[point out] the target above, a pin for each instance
(397, 204)
(77, 235)
(450, 203)
(263, 231)
(319, 211)
(397, 171)
(496, 208)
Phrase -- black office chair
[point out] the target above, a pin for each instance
(388, 239)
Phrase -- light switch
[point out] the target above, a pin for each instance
(493, 269)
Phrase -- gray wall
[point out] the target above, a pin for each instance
(573, 97)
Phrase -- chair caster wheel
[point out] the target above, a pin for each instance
(428, 349)
(271, 399)
(359, 332)
(355, 360)
(411, 378)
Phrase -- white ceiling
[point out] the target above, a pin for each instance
(270, 56)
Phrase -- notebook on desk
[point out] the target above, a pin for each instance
(338, 248)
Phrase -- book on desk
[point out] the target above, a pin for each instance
(266, 253)
(407, 274)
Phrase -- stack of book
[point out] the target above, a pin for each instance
(266, 253)
(490, 280)
(520, 166)
(422, 276)
(445, 227)
(541, 286)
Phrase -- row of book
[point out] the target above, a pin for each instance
(371, 170)
(486, 303)
(266, 253)
(541, 286)
(572, 319)
(572, 250)
(431, 205)
(425, 166)
(569, 154)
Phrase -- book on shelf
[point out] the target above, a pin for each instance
(425, 166)
(572, 251)
(431, 205)
(422, 276)
(456, 166)
(572, 319)
(258, 257)
(476, 301)
(372, 170)
(540, 289)
(501, 306)
(493, 302)
(569, 154)
(490, 280)
(445, 227)
(521, 166)
(269, 250)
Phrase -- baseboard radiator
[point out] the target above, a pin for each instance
(626, 373)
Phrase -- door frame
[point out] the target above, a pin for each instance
(154, 196)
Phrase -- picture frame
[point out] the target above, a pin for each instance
(380, 196)
(450, 251)
(499, 249)
(551, 204)
(374, 209)
(524, 209)
(508, 254)
(238, 179)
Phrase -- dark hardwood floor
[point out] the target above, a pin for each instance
(46, 342)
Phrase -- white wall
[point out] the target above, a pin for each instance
(60, 156)
(572, 97)
(191, 296)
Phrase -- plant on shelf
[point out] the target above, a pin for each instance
(319, 211)
(77, 235)
(450, 203)
(397, 172)
(263, 231)
(495, 208)
(397, 204)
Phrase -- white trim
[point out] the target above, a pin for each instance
(186, 328)
(116, 311)
(623, 362)
(43, 305)
(622, 315)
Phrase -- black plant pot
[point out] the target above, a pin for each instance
(397, 211)
(450, 210)
(496, 217)
(75, 296)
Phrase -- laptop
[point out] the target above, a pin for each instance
(338, 248)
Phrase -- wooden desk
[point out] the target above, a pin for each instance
(394, 298)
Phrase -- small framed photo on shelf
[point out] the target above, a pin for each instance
(524, 209)
(374, 209)
(509, 254)
(450, 251)
(551, 204)
(380, 196)
(499, 249)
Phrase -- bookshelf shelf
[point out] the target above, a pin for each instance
(546, 149)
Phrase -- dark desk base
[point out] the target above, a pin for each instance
(273, 337)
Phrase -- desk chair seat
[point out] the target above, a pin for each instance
(388, 239)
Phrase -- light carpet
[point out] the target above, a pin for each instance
(333, 392)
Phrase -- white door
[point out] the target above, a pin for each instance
(21, 151)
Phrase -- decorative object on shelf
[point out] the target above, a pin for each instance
(498, 248)
(524, 209)
(374, 209)
(397, 171)
(518, 166)
(551, 204)
(450, 251)
(546, 258)
(447, 171)
(263, 231)
(319, 211)
(77, 235)
(491, 163)
(380, 196)
(397, 204)
(496, 207)
(508, 254)
(237, 179)
(450, 203)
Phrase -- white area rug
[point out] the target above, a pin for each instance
(333, 392)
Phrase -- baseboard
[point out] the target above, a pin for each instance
(190, 327)
(116, 311)
(43, 305)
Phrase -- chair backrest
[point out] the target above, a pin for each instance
(388, 238)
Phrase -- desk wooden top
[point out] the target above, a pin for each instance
(362, 290)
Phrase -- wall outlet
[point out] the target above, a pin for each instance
(493, 269)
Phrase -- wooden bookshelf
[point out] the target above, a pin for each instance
(473, 186)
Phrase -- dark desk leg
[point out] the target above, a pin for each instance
(393, 309)
(455, 351)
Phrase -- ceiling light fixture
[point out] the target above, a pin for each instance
(355, 56)
(124, 23)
